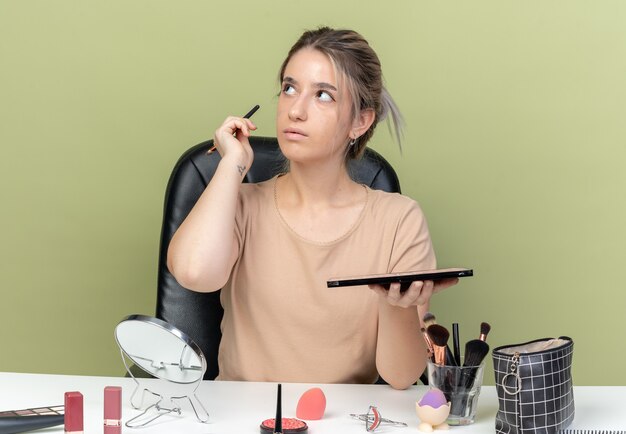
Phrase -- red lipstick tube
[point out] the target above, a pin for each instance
(112, 410)
(73, 412)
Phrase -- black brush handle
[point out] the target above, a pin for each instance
(456, 343)
(450, 359)
(465, 384)
(475, 352)
(18, 424)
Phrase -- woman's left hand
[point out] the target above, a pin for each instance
(418, 293)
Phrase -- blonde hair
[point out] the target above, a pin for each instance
(359, 65)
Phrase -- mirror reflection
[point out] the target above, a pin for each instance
(160, 349)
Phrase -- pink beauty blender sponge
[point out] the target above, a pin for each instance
(311, 405)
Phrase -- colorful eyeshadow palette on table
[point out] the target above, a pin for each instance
(28, 419)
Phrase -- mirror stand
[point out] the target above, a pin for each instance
(178, 366)
(163, 406)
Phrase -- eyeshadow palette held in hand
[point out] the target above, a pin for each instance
(404, 279)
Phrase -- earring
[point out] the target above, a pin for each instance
(352, 142)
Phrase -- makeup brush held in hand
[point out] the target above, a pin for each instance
(485, 328)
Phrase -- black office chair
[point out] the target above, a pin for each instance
(200, 314)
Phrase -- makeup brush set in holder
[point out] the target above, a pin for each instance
(459, 378)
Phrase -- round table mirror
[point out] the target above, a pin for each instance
(160, 349)
(164, 352)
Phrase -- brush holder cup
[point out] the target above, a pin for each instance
(461, 387)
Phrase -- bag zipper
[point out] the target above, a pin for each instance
(498, 350)
(514, 373)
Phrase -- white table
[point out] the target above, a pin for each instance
(239, 407)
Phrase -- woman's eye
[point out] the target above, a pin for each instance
(324, 96)
(288, 89)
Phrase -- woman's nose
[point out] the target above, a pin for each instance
(297, 111)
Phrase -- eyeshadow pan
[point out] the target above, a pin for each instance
(49, 410)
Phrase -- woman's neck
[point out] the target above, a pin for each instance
(319, 206)
(315, 186)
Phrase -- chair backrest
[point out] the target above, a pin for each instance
(200, 314)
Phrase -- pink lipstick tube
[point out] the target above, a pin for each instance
(73, 412)
(112, 410)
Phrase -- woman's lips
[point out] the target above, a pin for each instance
(294, 134)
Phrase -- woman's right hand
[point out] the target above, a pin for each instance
(204, 249)
(231, 141)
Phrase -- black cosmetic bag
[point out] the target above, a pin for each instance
(534, 385)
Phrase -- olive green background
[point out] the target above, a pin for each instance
(514, 147)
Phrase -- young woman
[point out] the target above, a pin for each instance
(271, 246)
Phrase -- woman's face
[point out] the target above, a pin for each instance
(313, 119)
